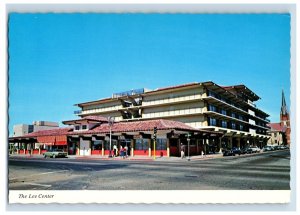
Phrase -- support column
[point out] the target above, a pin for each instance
(197, 148)
(205, 146)
(149, 149)
(18, 150)
(230, 142)
(168, 147)
(102, 148)
(238, 142)
(132, 148)
(220, 144)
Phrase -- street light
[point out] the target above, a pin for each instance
(188, 139)
(111, 121)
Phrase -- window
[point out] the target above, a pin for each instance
(224, 124)
(84, 127)
(233, 125)
(161, 144)
(224, 112)
(77, 127)
(212, 122)
(107, 145)
(210, 93)
(241, 117)
(141, 144)
(233, 115)
(212, 108)
(97, 144)
(241, 127)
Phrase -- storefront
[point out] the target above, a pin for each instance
(100, 139)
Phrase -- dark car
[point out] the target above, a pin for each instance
(232, 152)
(236, 151)
(268, 148)
(276, 147)
(247, 150)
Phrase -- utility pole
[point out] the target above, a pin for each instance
(111, 120)
(154, 141)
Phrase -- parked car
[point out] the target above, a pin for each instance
(250, 150)
(232, 152)
(228, 152)
(55, 153)
(285, 147)
(268, 148)
(282, 147)
(246, 150)
(236, 151)
(255, 149)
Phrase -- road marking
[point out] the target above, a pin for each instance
(44, 173)
(36, 184)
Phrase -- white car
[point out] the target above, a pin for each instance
(255, 149)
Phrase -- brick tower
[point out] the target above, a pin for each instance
(285, 120)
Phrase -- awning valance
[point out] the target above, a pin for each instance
(53, 140)
(61, 140)
(46, 139)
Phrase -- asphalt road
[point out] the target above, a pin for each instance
(263, 171)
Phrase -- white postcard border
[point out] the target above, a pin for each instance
(150, 197)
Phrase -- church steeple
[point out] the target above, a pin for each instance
(283, 110)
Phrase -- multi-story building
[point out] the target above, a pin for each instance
(22, 129)
(205, 105)
(204, 117)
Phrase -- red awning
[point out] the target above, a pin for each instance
(47, 140)
(61, 140)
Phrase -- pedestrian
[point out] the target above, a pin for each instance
(121, 151)
(126, 151)
(182, 150)
(115, 150)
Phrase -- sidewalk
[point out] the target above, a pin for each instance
(129, 158)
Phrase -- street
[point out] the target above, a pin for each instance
(263, 171)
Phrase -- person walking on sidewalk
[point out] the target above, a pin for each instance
(115, 151)
(126, 151)
(182, 150)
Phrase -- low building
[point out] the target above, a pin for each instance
(276, 134)
(94, 135)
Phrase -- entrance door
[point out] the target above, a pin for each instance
(174, 147)
(127, 143)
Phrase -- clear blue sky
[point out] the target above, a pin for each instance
(58, 60)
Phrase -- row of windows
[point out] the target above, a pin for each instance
(225, 112)
(140, 144)
(226, 124)
(217, 96)
(232, 125)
